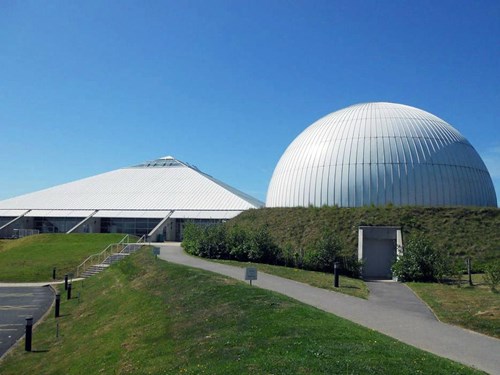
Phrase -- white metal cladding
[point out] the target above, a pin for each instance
(218, 215)
(59, 213)
(380, 153)
(132, 214)
(148, 187)
(12, 213)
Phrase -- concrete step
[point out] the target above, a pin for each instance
(114, 258)
(94, 270)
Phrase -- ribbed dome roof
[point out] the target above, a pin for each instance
(380, 153)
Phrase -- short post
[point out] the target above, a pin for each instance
(54, 273)
(336, 267)
(69, 291)
(469, 271)
(29, 334)
(66, 282)
(58, 304)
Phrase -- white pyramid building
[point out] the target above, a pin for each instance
(154, 198)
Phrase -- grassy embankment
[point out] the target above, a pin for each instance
(33, 258)
(145, 316)
(476, 308)
(347, 285)
(462, 231)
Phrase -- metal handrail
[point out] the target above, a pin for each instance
(134, 246)
(100, 257)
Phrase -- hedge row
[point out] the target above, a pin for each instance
(221, 241)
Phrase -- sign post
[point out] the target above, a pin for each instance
(250, 274)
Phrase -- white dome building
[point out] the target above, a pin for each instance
(380, 153)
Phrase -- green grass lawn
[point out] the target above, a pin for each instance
(347, 285)
(146, 316)
(33, 258)
(476, 308)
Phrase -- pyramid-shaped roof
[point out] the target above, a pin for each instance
(161, 185)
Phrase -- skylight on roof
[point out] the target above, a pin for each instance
(167, 161)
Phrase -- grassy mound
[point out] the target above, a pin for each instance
(33, 258)
(462, 231)
(145, 316)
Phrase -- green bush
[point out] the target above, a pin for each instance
(221, 241)
(420, 261)
(238, 243)
(324, 253)
(206, 241)
(192, 238)
(492, 274)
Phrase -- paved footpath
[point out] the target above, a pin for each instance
(394, 316)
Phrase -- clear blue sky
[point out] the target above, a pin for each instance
(90, 86)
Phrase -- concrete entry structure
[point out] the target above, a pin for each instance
(378, 249)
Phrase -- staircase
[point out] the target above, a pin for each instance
(127, 249)
(93, 270)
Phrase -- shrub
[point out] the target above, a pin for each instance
(192, 238)
(213, 243)
(238, 243)
(421, 262)
(257, 245)
(492, 274)
(263, 248)
(324, 253)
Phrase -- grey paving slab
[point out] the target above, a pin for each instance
(395, 319)
(16, 304)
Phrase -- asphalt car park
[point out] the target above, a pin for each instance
(17, 304)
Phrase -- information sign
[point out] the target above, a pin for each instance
(250, 274)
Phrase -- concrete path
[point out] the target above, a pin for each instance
(394, 295)
(34, 284)
(16, 304)
(395, 319)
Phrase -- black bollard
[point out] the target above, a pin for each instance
(336, 267)
(69, 291)
(58, 304)
(66, 282)
(54, 273)
(29, 334)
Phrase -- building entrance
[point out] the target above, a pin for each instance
(378, 250)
